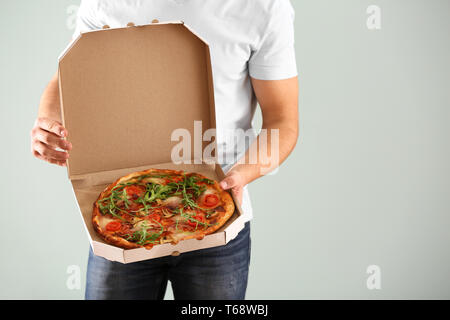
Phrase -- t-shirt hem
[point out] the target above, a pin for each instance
(270, 73)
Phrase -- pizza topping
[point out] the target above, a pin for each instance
(133, 191)
(177, 178)
(156, 191)
(166, 213)
(154, 179)
(210, 200)
(148, 224)
(194, 221)
(144, 236)
(155, 217)
(212, 214)
(103, 221)
(149, 209)
(125, 229)
(172, 202)
(167, 222)
(113, 226)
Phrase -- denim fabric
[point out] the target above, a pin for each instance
(213, 273)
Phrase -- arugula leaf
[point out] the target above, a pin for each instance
(191, 218)
(208, 181)
(142, 236)
(187, 188)
(157, 191)
(125, 198)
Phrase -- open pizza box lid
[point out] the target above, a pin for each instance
(126, 93)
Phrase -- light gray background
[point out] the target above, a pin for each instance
(368, 183)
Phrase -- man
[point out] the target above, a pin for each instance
(252, 53)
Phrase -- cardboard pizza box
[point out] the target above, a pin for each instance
(124, 92)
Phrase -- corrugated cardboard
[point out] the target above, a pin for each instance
(123, 92)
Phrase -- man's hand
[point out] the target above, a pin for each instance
(46, 136)
(235, 181)
(237, 178)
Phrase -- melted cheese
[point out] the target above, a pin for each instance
(154, 180)
(103, 221)
(209, 191)
(172, 201)
(145, 223)
(179, 236)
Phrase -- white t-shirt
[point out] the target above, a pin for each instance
(247, 38)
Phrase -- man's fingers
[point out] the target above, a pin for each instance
(51, 126)
(51, 139)
(49, 153)
(233, 181)
(46, 136)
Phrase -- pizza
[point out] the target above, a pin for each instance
(157, 206)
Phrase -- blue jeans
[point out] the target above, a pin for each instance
(213, 273)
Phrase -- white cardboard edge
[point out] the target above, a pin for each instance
(81, 216)
(139, 254)
(234, 228)
(114, 253)
(107, 251)
(68, 47)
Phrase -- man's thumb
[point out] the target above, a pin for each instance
(227, 183)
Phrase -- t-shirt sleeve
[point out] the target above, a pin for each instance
(274, 58)
(87, 18)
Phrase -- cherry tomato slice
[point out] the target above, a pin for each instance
(211, 200)
(134, 191)
(194, 223)
(113, 226)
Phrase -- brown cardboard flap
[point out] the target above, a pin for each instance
(124, 91)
